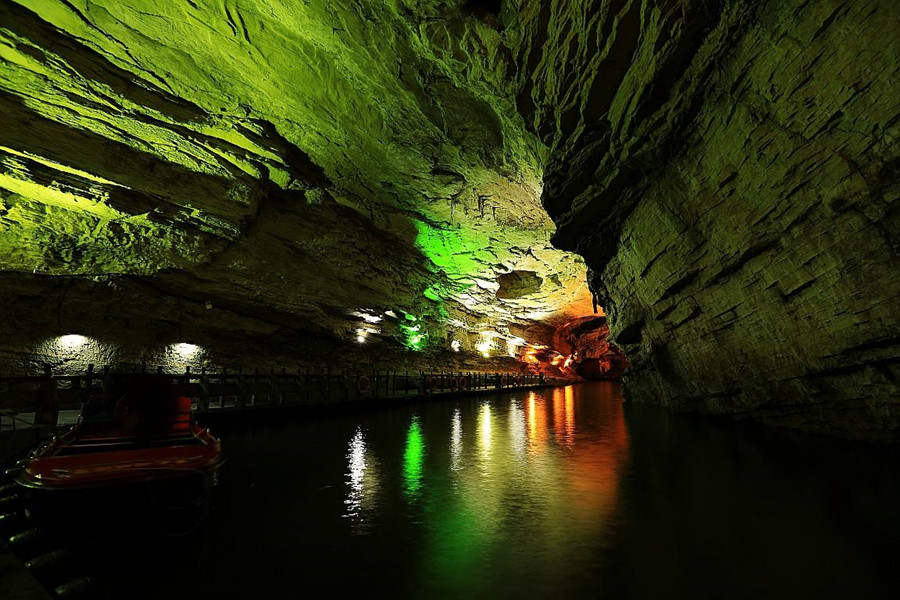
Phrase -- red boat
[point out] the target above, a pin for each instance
(149, 435)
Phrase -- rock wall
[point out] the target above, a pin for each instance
(275, 169)
(729, 172)
(292, 176)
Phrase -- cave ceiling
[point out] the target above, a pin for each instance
(311, 163)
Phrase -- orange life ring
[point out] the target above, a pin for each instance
(363, 385)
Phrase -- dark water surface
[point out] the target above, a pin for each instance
(556, 493)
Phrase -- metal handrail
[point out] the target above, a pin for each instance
(216, 390)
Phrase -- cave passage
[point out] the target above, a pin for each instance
(449, 298)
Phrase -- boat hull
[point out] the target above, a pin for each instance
(75, 462)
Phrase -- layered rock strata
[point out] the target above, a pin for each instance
(729, 171)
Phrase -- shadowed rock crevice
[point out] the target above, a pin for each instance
(516, 284)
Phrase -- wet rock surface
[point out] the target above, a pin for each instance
(729, 172)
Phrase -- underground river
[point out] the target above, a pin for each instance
(562, 492)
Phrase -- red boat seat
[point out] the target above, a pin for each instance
(152, 408)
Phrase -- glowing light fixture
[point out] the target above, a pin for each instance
(73, 341)
(362, 333)
(512, 345)
(484, 346)
(414, 339)
(185, 351)
(455, 345)
(368, 317)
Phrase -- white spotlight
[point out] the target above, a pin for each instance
(185, 351)
(512, 345)
(72, 341)
(484, 346)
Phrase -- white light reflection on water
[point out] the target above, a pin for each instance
(485, 439)
(484, 428)
(361, 480)
(456, 440)
(517, 428)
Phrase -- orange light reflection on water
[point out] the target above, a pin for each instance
(559, 415)
(537, 422)
(569, 483)
(596, 468)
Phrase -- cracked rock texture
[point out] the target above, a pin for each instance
(729, 172)
(271, 170)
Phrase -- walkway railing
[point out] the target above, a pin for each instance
(50, 401)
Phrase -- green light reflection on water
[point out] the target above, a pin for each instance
(413, 458)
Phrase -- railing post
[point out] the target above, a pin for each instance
(241, 399)
(279, 386)
(203, 400)
(223, 386)
(328, 385)
(254, 394)
(298, 383)
(48, 405)
(85, 390)
(306, 384)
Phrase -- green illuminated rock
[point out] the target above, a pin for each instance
(287, 161)
(729, 171)
(293, 176)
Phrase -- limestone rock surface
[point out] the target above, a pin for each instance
(729, 172)
(282, 170)
(311, 179)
